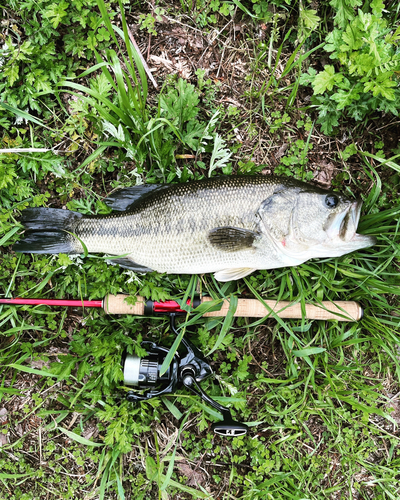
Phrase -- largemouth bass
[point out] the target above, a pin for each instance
(230, 226)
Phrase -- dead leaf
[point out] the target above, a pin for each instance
(3, 439)
(325, 173)
(195, 477)
(160, 60)
(281, 150)
(3, 416)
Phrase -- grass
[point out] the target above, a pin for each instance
(321, 398)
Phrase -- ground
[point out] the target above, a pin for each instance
(322, 398)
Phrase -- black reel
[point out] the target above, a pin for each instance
(186, 370)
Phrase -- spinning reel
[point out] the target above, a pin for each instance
(187, 369)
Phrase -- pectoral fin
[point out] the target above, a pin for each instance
(233, 274)
(231, 239)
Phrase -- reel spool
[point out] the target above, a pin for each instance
(188, 370)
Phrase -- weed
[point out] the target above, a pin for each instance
(147, 21)
(294, 161)
(366, 80)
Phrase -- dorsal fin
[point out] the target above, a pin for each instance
(125, 198)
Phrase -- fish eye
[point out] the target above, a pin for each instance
(331, 201)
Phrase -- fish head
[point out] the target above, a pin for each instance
(312, 222)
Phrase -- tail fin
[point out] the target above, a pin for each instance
(47, 230)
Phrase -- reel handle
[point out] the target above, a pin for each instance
(228, 426)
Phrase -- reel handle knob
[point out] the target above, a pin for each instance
(230, 428)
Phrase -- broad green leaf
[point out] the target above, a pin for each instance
(352, 39)
(220, 155)
(382, 86)
(309, 18)
(344, 10)
(349, 151)
(325, 80)
(377, 7)
(344, 98)
(151, 468)
(55, 12)
(12, 73)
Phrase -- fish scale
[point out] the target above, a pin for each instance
(228, 225)
(152, 234)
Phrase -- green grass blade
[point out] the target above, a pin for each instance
(101, 99)
(170, 469)
(308, 352)
(172, 408)
(133, 57)
(4, 475)
(105, 70)
(78, 438)
(120, 77)
(389, 162)
(171, 353)
(233, 302)
(8, 235)
(33, 371)
(106, 19)
(24, 115)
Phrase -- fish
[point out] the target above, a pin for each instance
(229, 225)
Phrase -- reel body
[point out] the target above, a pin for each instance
(188, 370)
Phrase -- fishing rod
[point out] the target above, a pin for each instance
(188, 367)
(343, 310)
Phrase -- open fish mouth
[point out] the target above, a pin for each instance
(343, 230)
(349, 223)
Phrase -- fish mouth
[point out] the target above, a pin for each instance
(344, 227)
(349, 223)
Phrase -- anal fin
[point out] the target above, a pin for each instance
(233, 274)
(128, 264)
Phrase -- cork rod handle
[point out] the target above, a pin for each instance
(116, 304)
(252, 308)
